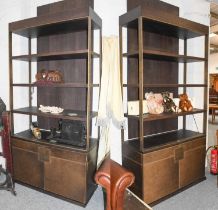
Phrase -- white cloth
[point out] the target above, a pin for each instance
(110, 102)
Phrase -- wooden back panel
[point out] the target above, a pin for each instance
(73, 70)
(76, 6)
(154, 6)
(155, 72)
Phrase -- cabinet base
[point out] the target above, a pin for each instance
(176, 192)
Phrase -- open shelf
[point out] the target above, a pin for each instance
(76, 54)
(27, 135)
(166, 25)
(81, 115)
(164, 85)
(56, 85)
(53, 24)
(164, 56)
(152, 117)
(160, 141)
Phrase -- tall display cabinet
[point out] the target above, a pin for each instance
(64, 34)
(164, 151)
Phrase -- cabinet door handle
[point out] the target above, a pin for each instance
(178, 154)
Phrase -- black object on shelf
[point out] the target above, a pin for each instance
(72, 133)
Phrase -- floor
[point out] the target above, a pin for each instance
(28, 199)
(203, 196)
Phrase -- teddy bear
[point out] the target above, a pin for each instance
(184, 103)
(154, 103)
(168, 103)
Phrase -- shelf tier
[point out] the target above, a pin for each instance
(81, 115)
(164, 56)
(169, 25)
(160, 141)
(164, 85)
(56, 85)
(152, 117)
(27, 136)
(76, 54)
(51, 24)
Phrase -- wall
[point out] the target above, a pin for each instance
(213, 63)
(109, 10)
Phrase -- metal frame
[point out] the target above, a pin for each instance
(185, 77)
(141, 82)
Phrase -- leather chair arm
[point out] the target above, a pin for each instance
(120, 180)
(103, 175)
(115, 179)
(103, 178)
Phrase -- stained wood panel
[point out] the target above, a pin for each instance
(155, 72)
(27, 166)
(65, 176)
(192, 166)
(74, 6)
(73, 70)
(160, 174)
(153, 6)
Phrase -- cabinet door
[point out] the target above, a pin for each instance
(65, 174)
(26, 164)
(160, 174)
(192, 167)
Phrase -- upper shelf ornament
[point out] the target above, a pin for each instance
(49, 76)
(51, 109)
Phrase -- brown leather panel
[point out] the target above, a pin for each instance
(160, 179)
(187, 146)
(178, 153)
(43, 154)
(199, 142)
(24, 145)
(192, 167)
(68, 155)
(158, 155)
(66, 178)
(27, 168)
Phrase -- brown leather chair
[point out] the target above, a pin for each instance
(114, 179)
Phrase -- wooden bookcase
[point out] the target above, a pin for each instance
(165, 154)
(65, 32)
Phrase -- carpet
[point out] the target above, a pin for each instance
(29, 199)
(203, 196)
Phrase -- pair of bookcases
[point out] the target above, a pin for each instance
(164, 155)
